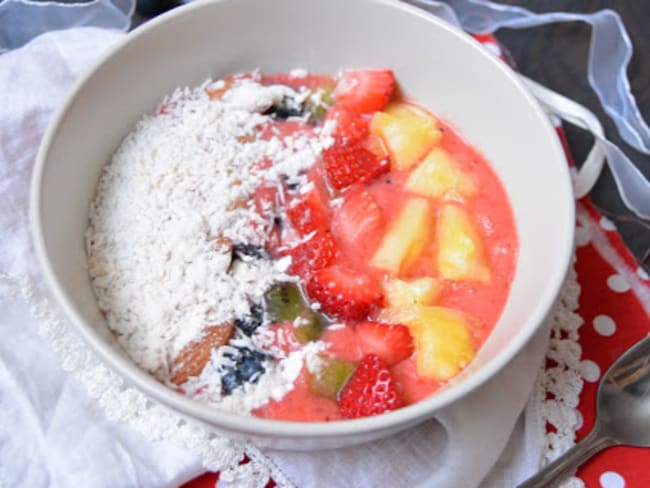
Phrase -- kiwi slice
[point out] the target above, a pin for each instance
(319, 100)
(331, 378)
(311, 327)
(284, 302)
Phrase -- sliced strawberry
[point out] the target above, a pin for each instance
(316, 253)
(392, 343)
(341, 342)
(283, 336)
(309, 212)
(358, 223)
(284, 128)
(364, 91)
(309, 81)
(350, 163)
(266, 199)
(344, 293)
(350, 126)
(370, 391)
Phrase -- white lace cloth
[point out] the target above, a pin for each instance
(68, 420)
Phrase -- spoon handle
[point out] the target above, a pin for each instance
(567, 463)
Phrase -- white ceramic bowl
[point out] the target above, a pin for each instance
(435, 64)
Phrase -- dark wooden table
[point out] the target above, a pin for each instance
(556, 56)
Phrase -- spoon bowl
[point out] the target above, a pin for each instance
(622, 415)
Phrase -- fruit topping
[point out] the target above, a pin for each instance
(364, 91)
(284, 302)
(348, 163)
(439, 175)
(315, 253)
(248, 324)
(318, 102)
(246, 252)
(370, 391)
(443, 342)
(330, 378)
(309, 327)
(460, 248)
(358, 223)
(406, 294)
(298, 80)
(245, 366)
(408, 134)
(350, 126)
(392, 343)
(309, 212)
(406, 237)
(285, 108)
(344, 293)
(191, 360)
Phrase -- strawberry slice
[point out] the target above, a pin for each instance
(344, 293)
(350, 126)
(370, 391)
(358, 224)
(309, 212)
(266, 199)
(350, 163)
(316, 253)
(392, 343)
(364, 91)
(297, 82)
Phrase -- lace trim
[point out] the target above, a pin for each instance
(554, 404)
(130, 406)
(554, 401)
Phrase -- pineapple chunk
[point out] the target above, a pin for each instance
(439, 175)
(408, 134)
(406, 237)
(396, 315)
(460, 248)
(442, 340)
(401, 294)
(403, 110)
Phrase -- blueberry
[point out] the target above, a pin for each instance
(291, 184)
(229, 382)
(245, 251)
(286, 108)
(247, 367)
(249, 323)
(250, 369)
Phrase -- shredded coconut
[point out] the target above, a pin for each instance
(175, 194)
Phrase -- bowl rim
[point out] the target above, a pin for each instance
(241, 424)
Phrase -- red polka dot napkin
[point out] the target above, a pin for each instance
(615, 306)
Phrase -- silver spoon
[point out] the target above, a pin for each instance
(622, 416)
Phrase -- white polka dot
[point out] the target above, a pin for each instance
(610, 479)
(642, 274)
(582, 236)
(617, 283)
(607, 224)
(604, 325)
(590, 371)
